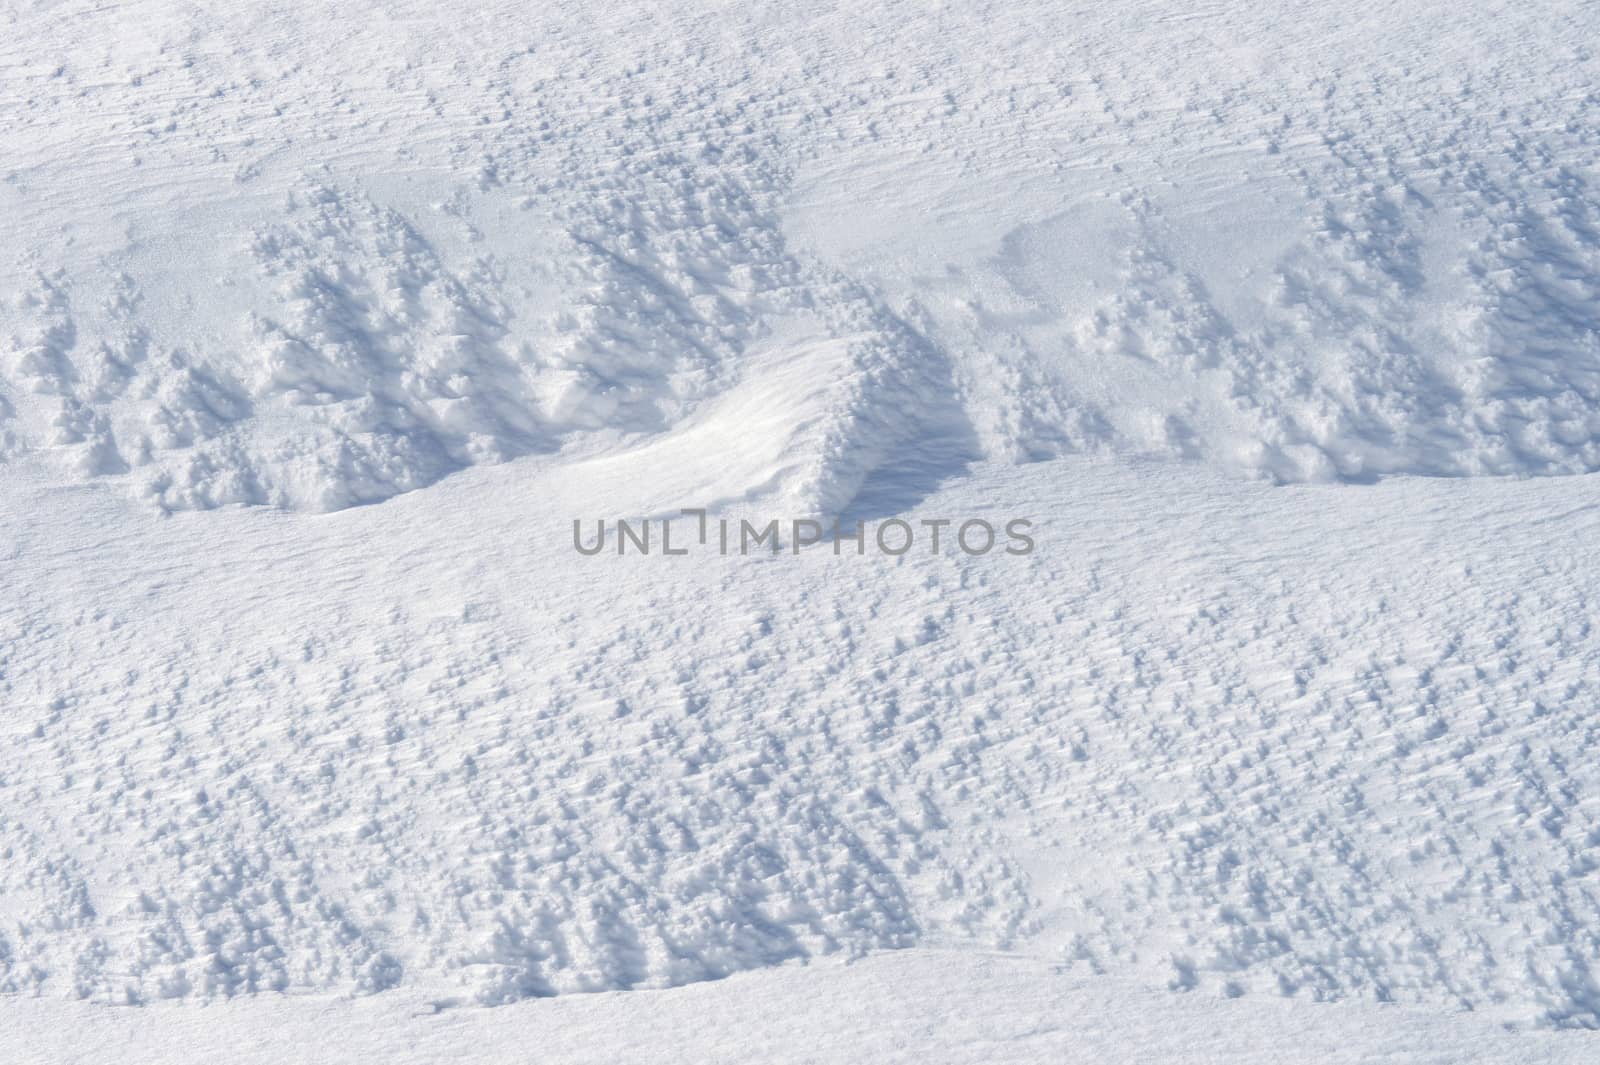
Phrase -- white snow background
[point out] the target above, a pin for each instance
(320, 323)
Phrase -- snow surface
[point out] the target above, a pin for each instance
(318, 255)
(909, 1006)
(1280, 322)
(1322, 742)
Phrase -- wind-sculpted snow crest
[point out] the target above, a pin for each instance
(349, 359)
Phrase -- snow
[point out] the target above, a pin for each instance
(318, 257)
(910, 1006)
(1320, 742)
(321, 325)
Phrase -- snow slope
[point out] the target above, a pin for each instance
(321, 255)
(1279, 322)
(911, 1006)
(1320, 742)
